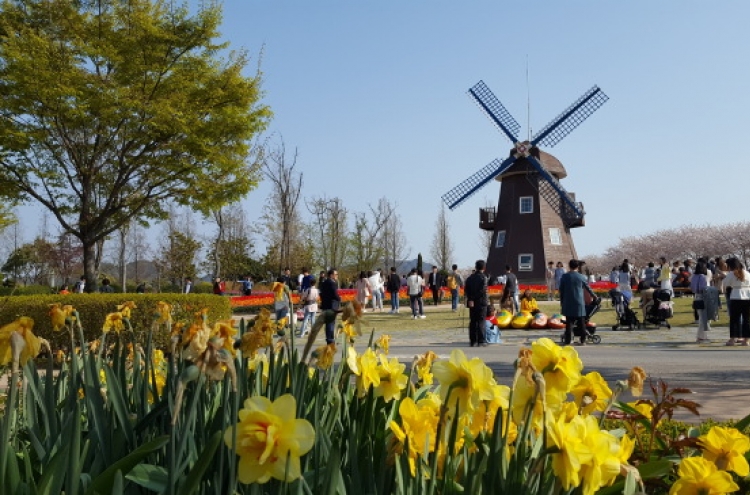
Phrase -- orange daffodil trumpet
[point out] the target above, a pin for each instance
(269, 439)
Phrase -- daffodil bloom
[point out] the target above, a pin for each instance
(348, 329)
(604, 464)
(383, 343)
(591, 393)
(467, 381)
(483, 418)
(32, 344)
(392, 379)
(113, 321)
(163, 313)
(365, 366)
(423, 366)
(195, 338)
(699, 476)
(57, 316)
(270, 439)
(126, 307)
(568, 437)
(635, 381)
(726, 447)
(225, 330)
(324, 356)
(418, 424)
(560, 366)
(524, 392)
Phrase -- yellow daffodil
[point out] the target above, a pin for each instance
(635, 381)
(726, 447)
(627, 445)
(699, 476)
(278, 290)
(483, 417)
(365, 366)
(163, 315)
(113, 322)
(324, 356)
(348, 329)
(225, 330)
(525, 366)
(195, 338)
(568, 437)
(418, 424)
(270, 439)
(423, 366)
(383, 343)
(467, 381)
(57, 316)
(126, 307)
(524, 393)
(392, 379)
(604, 464)
(560, 366)
(591, 393)
(32, 344)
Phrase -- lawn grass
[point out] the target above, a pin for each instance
(442, 318)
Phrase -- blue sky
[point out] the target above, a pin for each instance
(373, 96)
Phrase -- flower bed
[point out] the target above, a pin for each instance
(228, 411)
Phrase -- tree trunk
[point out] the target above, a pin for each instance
(122, 260)
(89, 264)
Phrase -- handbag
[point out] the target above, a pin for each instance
(700, 304)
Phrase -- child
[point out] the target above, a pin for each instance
(491, 330)
(528, 303)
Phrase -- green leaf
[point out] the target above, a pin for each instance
(154, 478)
(655, 469)
(54, 472)
(104, 483)
(196, 474)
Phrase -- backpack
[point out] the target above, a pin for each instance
(451, 282)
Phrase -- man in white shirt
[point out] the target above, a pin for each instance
(415, 286)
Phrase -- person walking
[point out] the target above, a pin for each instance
(435, 283)
(188, 285)
(549, 276)
(415, 286)
(737, 283)
(572, 302)
(665, 275)
(330, 299)
(454, 283)
(559, 272)
(698, 284)
(475, 292)
(511, 286)
(309, 299)
(362, 285)
(376, 290)
(393, 285)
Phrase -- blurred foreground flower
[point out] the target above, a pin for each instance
(270, 439)
(18, 343)
(699, 476)
(726, 447)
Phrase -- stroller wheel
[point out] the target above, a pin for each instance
(669, 327)
(615, 327)
(596, 339)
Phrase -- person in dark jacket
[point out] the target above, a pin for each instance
(475, 290)
(572, 302)
(435, 282)
(330, 299)
(393, 285)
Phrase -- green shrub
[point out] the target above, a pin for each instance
(93, 309)
(26, 290)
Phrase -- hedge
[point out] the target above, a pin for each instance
(93, 309)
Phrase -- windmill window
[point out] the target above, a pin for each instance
(554, 237)
(500, 239)
(525, 262)
(527, 204)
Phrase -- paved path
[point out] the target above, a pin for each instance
(716, 374)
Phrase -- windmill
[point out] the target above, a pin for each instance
(528, 232)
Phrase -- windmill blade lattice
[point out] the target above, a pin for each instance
(570, 118)
(465, 189)
(495, 110)
(555, 194)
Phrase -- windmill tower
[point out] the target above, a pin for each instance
(531, 224)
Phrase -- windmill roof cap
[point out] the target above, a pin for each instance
(551, 163)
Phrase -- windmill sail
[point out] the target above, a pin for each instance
(555, 194)
(465, 189)
(495, 110)
(570, 118)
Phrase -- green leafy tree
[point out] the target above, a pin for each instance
(111, 108)
(178, 258)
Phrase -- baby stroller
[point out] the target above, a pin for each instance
(659, 309)
(589, 327)
(626, 317)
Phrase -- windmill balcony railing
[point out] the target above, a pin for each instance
(487, 218)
